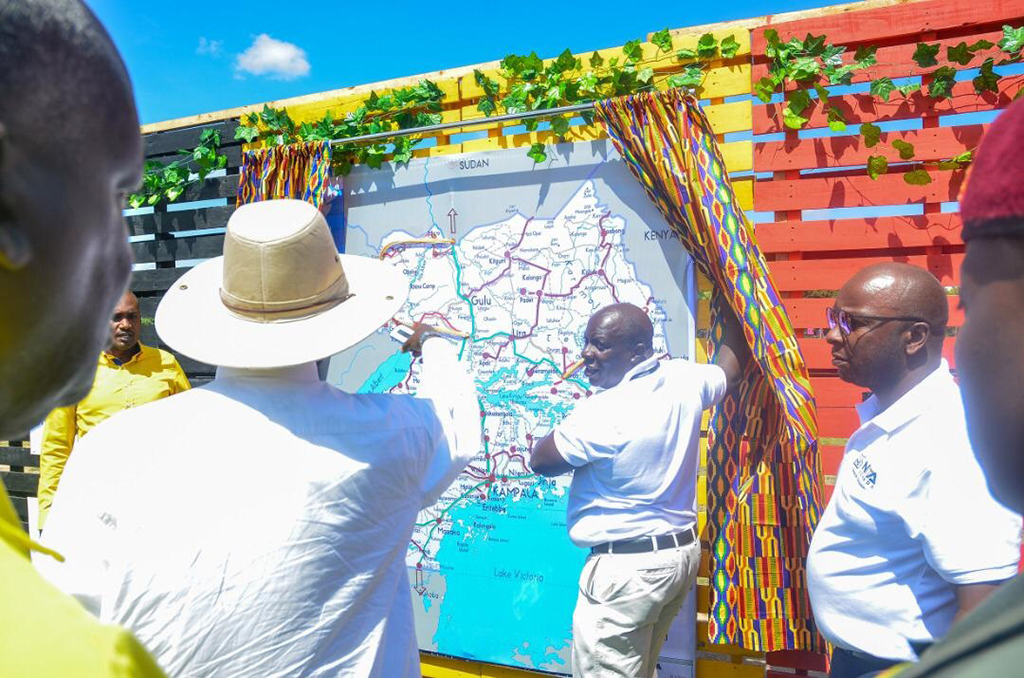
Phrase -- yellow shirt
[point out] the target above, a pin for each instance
(47, 634)
(151, 374)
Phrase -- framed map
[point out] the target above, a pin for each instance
(512, 257)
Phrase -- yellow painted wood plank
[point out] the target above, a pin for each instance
(736, 116)
(738, 156)
(433, 666)
(724, 81)
(744, 193)
(707, 668)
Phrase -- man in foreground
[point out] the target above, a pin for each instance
(632, 502)
(264, 531)
(911, 538)
(69, 152)
(990, 363)
(129, 374)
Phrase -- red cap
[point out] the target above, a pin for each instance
(992, 203)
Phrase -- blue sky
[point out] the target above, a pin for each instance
(189, 57)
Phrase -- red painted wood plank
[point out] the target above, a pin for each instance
(925, 230)
(810, 313)
(837, 422)
(831, 458)
(887, 23)
(896, 61)
(856, 190)
(831, 274)
(834, 392)
(796, 659)
(937, 143)
(858, 108)
(818, 354)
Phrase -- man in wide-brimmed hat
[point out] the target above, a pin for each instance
(262, 527)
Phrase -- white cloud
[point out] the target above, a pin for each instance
(275, 58)
(211, 47)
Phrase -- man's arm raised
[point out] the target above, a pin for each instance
(733, 353)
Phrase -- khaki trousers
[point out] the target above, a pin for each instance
(625, 606)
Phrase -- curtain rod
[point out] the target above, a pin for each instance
(508, 117)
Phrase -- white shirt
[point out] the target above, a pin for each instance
(910, 518)
(634, 449)
(258, 526)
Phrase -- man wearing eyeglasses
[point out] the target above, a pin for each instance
(911, 538)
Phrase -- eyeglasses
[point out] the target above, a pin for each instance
(847, 321)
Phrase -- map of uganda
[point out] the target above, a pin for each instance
(512, 259)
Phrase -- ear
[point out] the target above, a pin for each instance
(917, 337)
(15, 248)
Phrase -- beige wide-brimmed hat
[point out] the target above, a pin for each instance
(281, 294)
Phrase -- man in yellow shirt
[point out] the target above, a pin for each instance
(129, 374)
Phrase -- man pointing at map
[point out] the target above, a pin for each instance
(632, 502)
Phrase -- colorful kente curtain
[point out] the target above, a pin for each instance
(298, 171)
(763, 497)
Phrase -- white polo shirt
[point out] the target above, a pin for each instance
(634, 449)
(910, 518)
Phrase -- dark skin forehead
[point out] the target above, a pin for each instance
(129, 304)
(895, 289)
(622, 323)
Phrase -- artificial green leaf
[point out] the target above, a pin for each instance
(918, 177)
(843, 75)
(596, 60)
(765, 88)
(645, 74)
(833, 55)
(799, 100)
(924, 55)
(836, 119)
(692, 76)
(865, 56)
(882, 87)
(948, 165)
(633, 51)
(987, 80)
(1013, 39)
(537, 153)
(136, 200)
(964, 158)
(565, 62)
(822, 92)
(906, 150)
(729, 46)
(686, 54)
(960, 54)
(813, 44)
(662, 40)
(877, 166)
(980, 45)
(792, 120)
(942, 83)
(173, 193)
(872, 134)
(707, 46)
(560, 125)
(249, 134)
(907, 90)
(804, 68)
(486, 106)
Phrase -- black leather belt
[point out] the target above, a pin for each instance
(646, 544)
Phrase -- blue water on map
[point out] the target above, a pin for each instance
(509, 576)
(389, 374)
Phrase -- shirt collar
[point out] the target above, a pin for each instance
(303, 372)
(910, 405)
(109, 359)
(638, 369)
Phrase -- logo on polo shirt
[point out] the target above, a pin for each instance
(863, 472)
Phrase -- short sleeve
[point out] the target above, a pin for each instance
(968, 537)
(712, 384)
(586, 436)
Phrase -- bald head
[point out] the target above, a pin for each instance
(892, 325)
(895, 289)
(617, 338)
